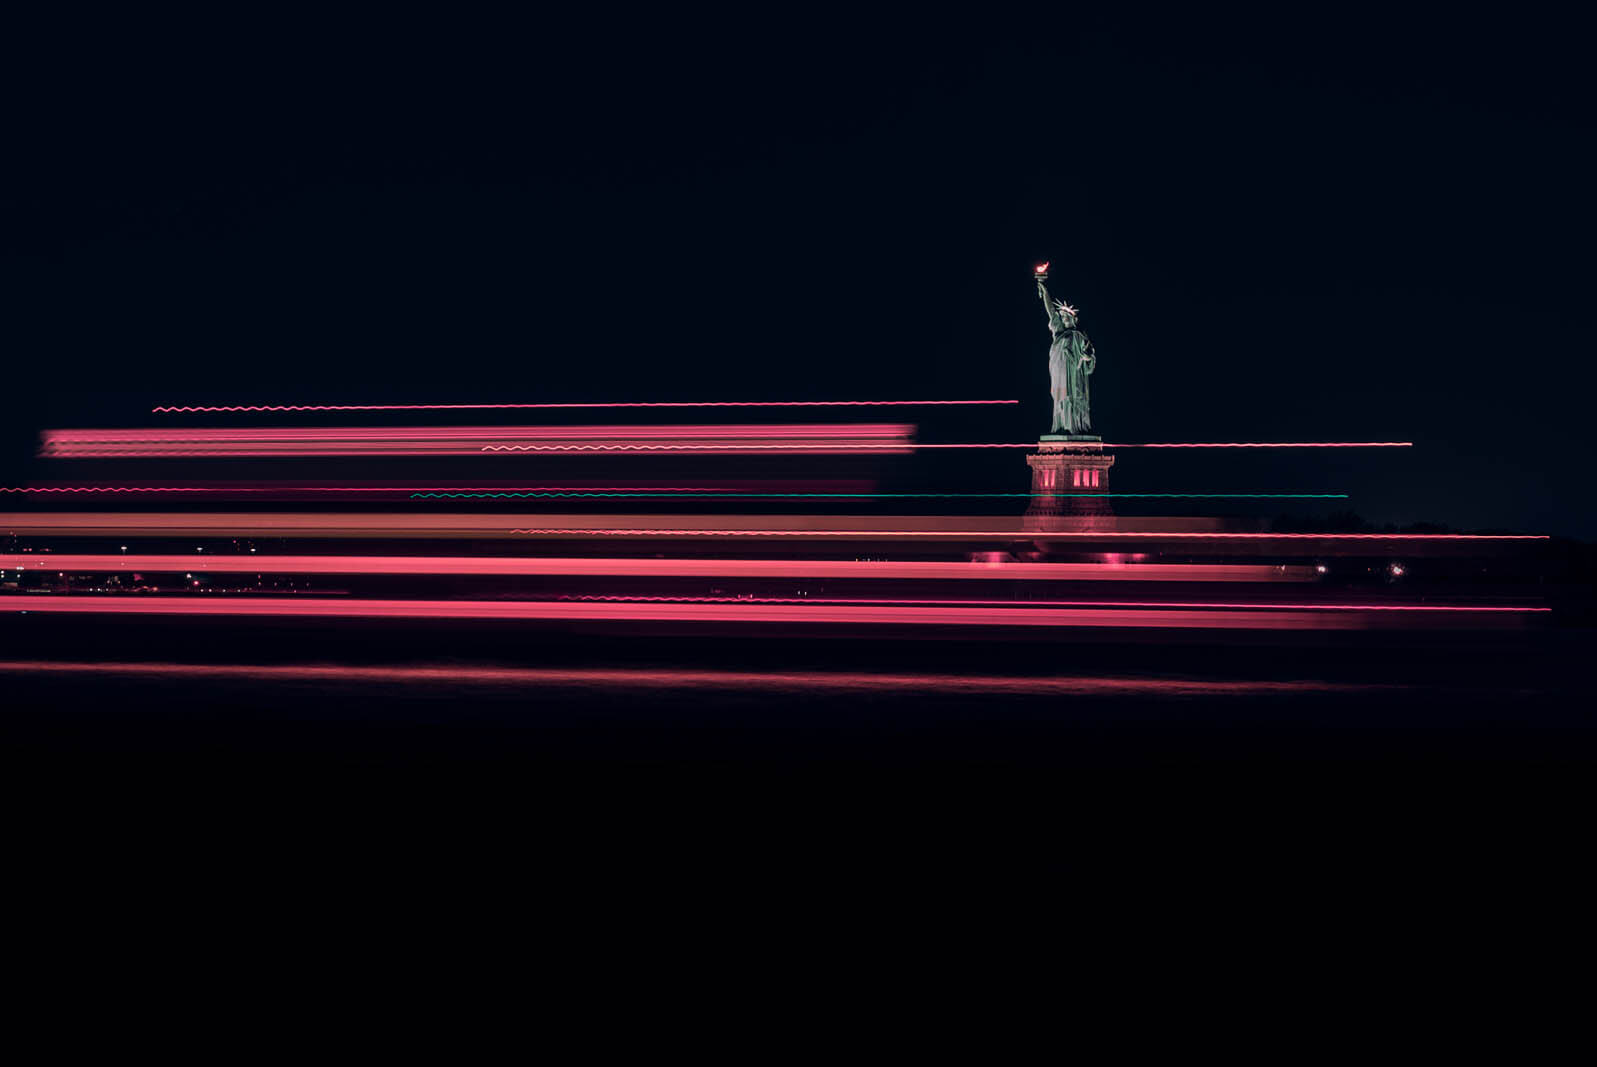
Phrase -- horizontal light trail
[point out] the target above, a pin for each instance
(659, 568)
(421, 524)
(189, 489)
(717, 495)
(860, 438)
(835, 449)
(645, 492)
(225, 408)
(741, 613)
(1048, 535)
(948, 602)
(819, 431)
(843, 439)
(1033, 445)
(655, 678)
(1269, 444)
(221, 489)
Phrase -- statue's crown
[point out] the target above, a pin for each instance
(1064, 308)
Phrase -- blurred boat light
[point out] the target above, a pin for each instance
(866, 438)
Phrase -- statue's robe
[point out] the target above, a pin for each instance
(1070, 361)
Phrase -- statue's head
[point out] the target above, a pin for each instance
(1066, 312)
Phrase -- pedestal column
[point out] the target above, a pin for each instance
(1070, 477)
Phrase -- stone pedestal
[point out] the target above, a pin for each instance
(1069, 477)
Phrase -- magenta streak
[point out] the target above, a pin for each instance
(1032, 534)
(674, 677)
(922, 447)
(1184, 605)
(436, 433)
(368, 489)
(677, 612)
(709, 568)
(644, 404)
(1272, 444)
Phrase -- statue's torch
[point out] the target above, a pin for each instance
(1041, 272)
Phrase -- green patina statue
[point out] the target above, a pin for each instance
(1070, 360)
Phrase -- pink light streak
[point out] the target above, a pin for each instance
(846, 439)
(922, 446)
(682, 678)
(833, 449)
(682, 568)
(947, 602)
(225, 408)
(1270, 444)
(742, 613)
(1032, 534)
(412, 524)
(429, 433)
(219, 489)
(470, 440)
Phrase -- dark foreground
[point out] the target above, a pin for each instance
(569, 732)
(596, 807)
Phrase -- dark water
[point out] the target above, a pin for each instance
(651, 756)
(488, 705)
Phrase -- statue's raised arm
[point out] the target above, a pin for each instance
(1055, 323)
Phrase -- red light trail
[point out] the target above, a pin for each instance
(1265, 617)
(458, 489)
(478, 493)
(1182, 604)
(714, 494)
(413, 524)
(484, 489)
(845, 439)
(794, 448)
(685, 678)
(1202, 444)
(1269, 444)
(471, 440)
(229, 408)
(709, 568)
(1039, 534)
(922, 447)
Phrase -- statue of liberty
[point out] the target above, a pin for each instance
(1070, 360)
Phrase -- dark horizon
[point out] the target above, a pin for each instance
(1273, 232)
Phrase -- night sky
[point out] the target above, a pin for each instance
(1337, 230)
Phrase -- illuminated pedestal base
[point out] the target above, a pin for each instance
(1069, 482)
